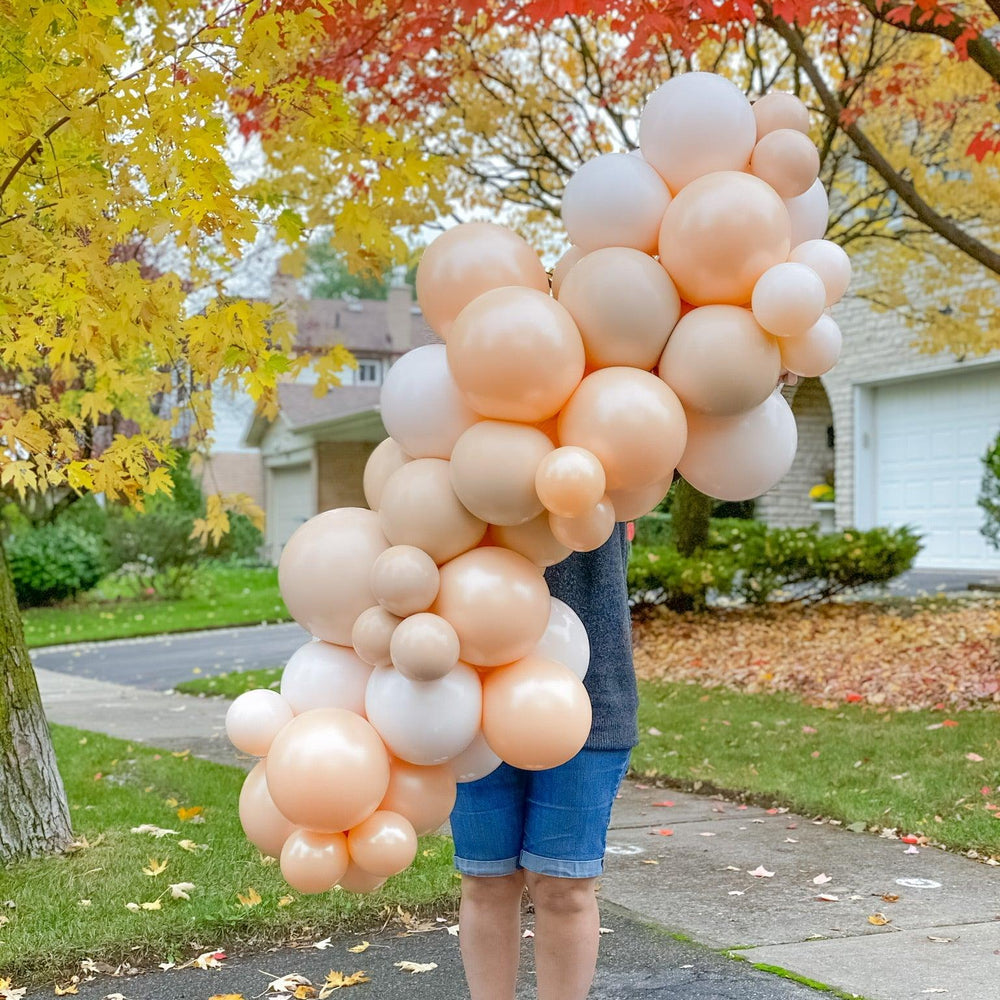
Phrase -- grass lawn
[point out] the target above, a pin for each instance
(113, 786)
(232, 684)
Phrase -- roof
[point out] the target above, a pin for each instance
(362, 326)
(303, 409)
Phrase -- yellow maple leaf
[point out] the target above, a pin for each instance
(358, 948)
(185, 815)
(304, 992)
(155, 867)
(339, 980)
(227, 996)
(68, 990)
(252, 897)
(154, 905)
(286, 901)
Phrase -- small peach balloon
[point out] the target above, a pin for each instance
(787, 160)
(830, 262)
(809, 214)
(788, 299)
(467, 260)
(265, 827)
(424, 795)
(424, 647)
(357, 880)
(588, 531)
(533, 540)
(381, 464)
(255, 718)
(563, 266)
(779, 110)
(570, 481)
(405, 580)
(372, 635)
(476, 761)
(384, 844)
(632, 504)
(321, 675)
(314, 862)
(814, 352)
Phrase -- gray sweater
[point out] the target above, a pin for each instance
(594, 585)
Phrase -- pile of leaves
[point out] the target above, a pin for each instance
(900, 657)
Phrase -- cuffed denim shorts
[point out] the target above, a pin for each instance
(552, 822)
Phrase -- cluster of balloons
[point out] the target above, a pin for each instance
(698, 278)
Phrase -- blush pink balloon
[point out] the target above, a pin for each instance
(788, 299)
(533, 540)
(632, 504)
(570, 481)
(476, 761)
(787, 160)
(565, 639)
(255, 718)
(589, 530)
(381, 464)
(814, 352)
(808, 214)
(384, 844)
(563, 266)
(265, 827)
(314, 862)
(321, 675)
(357, 880)
(830, 262)
(372, 635)
(424, 647)
(405, 580)
(424, 795)
(780, 110)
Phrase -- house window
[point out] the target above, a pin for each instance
(369, 373)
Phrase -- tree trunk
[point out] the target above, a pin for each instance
(34, 816)
(690, 513)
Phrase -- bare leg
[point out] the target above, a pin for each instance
(490, 934)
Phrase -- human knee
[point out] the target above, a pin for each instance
(493, 889)
(563, 896)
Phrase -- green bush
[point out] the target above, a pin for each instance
(154, 550)
(54, 561)
(241, 544)
(989, 497)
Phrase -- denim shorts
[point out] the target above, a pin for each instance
(552, 822)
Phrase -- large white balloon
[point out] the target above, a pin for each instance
(476, 761)
(255, 718)
(321, 675)
(565, 639)
(810, 213)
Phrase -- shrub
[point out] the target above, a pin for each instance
(54, 561)
(154, 550)
(242, 543)
(989, 497)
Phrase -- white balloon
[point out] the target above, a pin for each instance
(421, 406)
(321, 675)
(830, 262)
(565, 639)
(810, 213)
(425, 722)
(476, 761)
(254, 719)
(814, 352)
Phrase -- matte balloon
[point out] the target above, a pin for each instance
(324, 570)
(779, 110)
(265, 827)
(788, 298)
(631, 421)
(516, 354)
(498, 603)
(419, 508)
(476, 761)
(405, 580)
(565, 639)
(424, 795)
(421, 406)
(424, 647)
(321, 675)
(787, 160)
(614, 200)
(630, 505)
(536, 713)
(425, 722)
(384, 844)
(327, 770)
(255, 718)
(624, 304)
(314, 862)
(808, 214)
(563, 267)
(372, 634)
(719, 360)
(587, 532)
(720, 234)
(695, 124)
(381, 464)
(467, 260)
(357, 880)
(830, 262)
(814, 352)
(533, 540)
(742, 457)
(493, 470)
(570, 481)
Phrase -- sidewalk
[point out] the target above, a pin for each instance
(942, 935)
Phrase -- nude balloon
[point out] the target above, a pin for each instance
(467, 260)
(493, 470)
(788, 299)
(589, 530)
(720, 234)
(381, 464)
(563, 267)
(787, 160)
(741, 457)
(570, 481)
(384, 844)
(255, 718)
(516, 354)
(624, 304)
(357, 880)
(533, 540)
(830, 262)
(314, 862)
(424, 647)
(497, 602)
(324, 570)
(327, 770)
(565, 639)
(476, 761)
(614, 200)
(809, 214)
(405, 580)
(265, 827)
(321, 675)
(814, 352)
(372, 635)
(631, 421)
(719, 360)
(780, 110)
(424, 795)
(630, 505)
(536, 713)
(695, 124)
(420, 508)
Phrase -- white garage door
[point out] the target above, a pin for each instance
(291, 502)
(930, 436)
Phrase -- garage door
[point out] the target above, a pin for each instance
(291, 502)
(930, 435)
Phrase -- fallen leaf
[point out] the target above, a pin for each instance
(706, 833)
(529, 933)
(666, 802)
(974, 757)
(337, 981)
(605, 930)
(166, 966)
(649, 861)
(227, 996)
(180, 890)
(252, 897)
(180, 753)
(79, 902)
(736, 892)
(822, 879)
(154, 905)
(64, 991)
(663, 833)
(286, 901)
(761, 872)
(186, 815)
(155, 867)
(153, 831)
(304, 993)
(911, 850)
(288, 984)
(827, 898)
(940, 940)
(889, 897)
(209, 960)
(878, 919)
(653, 731)
(809, 730)
(364, 946)
(416, 967)
(950, 723)
(910, 838)
(934, 990)
(191, 846)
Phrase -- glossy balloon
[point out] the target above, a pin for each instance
(570, 481)
(405, 580)
(384, 844)
(533, 540)
(255, 718)
(424, 795)
(780, 110)
(381, 464)
(788, 298)
(563, 267)
(808, 214)
(814, 352)
(630, 505)
(830, 262)
(787, 160)
(357, 880)
(424, 647)
(565, 639)
(372, 635)
(321, 675)
(589, 530)
(314, 862)
(265, 827)
(476, 761)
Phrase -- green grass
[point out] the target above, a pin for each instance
(232, 684)
(884, 769)
(222, 596)
(113, 786)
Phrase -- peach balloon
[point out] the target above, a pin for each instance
(493, 470)
(788, 299)
(632, 504)
(570, 481)
(424, 795)
(372, 634)
(265, 827)
(476, 761)
(695, 124)
(536, 713)
(631, 421)
(314, 862)
(780, 110)
(321, 675)
(809, 214)
(719, 360)
(467, 260)
(381, 464)
(741, 457)
(720, 234)
(255, 718)
(327, 770)
(624, 304)
(405, 580)
(533, 540)
(324, 570)
(357, 880)
(614, 200)
(516, 354)
(384, 844)
(424, 647)
(588, 531)
(814, 352)
(787, 160)
(563, 266)
(498, 603)
(830, 262)
(419, 508)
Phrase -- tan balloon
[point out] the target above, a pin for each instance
(720, 234)
(515, 354)
(424, 647)
(587, 532)
(405, 580)
(372, 634)
(719, 360)
(787, 160)
(563, 267)
(424, 795)
(624, 304)
(493, 470)
(314, 862)
(570, 481)
(631, 421)
(814, 352)
(808, 214)
(536, 713)
(255, 718)
(788, 299)
(632, 504)
(384, 844)
(324, 571)
(830, 262)
(497, 602)
(357, 880)
(533, 540)
(381, 464)
(467, 260)
(265, 827)
(779, 110)
(327, 770)
(419, 508)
